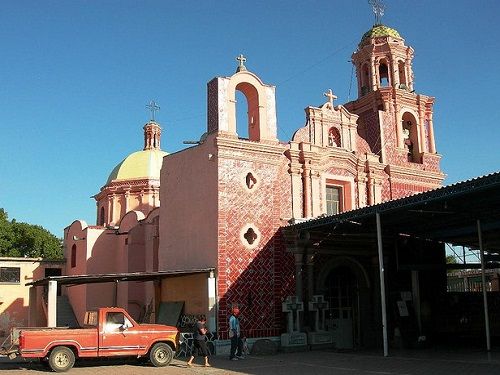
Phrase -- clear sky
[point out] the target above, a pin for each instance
(75, 77)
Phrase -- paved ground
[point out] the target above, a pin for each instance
(453, 362)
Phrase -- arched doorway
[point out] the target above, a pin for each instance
(341, 290)
(344, 283)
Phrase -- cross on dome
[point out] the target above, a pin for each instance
(153, 107)
(378, 8)
(241, 63)
(331, 97)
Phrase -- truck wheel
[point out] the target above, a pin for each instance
(61, 359)
(161, 355)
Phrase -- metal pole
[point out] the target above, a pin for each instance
(116, 294)
(483, 286)
(382, 284)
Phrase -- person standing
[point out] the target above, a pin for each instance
(235, 335)
(199, 338)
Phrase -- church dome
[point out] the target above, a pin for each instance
(379, 31)
(145, 164)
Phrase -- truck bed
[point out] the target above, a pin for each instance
(38, 341)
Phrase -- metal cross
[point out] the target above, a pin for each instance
(378, 8)
(241, 60)
(241, 63)
(153, 107)
(331, 96)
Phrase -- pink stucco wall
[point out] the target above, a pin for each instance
(188, 212)
(98, 251)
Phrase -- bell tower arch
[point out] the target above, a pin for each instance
(222, 103)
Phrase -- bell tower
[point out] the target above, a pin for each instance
(395, 122)
(383, 60)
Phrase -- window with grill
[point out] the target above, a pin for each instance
(11, 275)
(333, 200)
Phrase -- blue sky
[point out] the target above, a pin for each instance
(75, 77)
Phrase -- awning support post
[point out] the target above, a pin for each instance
(52, 304)
(382, 284)
(483, 286)
(212, 301)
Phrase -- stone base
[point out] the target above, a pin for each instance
(264, 347)
(323, 338)
(294, 341)
(223, 347)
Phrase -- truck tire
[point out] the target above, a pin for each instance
(61, 359)
(161, 355)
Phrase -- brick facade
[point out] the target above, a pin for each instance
(376, 148)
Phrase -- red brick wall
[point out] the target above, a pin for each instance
(257, 279)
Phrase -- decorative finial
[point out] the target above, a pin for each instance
(153, 107)
(241, 63)
(378, 8)
(331, 97)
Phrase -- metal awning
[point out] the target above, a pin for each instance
(448, 214)
(463, 214)
(116, 277)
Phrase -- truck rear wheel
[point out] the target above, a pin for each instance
(61, 359)
(161, 355)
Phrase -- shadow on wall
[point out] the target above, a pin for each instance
(116, 252)
(263, 284)
(14, 315)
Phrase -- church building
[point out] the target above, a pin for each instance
(225, 201)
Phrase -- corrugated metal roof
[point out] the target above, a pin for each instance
(447, 214)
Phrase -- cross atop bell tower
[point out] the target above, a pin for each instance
(378, 9)
(241, 63)
(153, 107)
(152, 131)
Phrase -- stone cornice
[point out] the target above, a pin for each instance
(399, 172)
(129, 186)
(232, 148)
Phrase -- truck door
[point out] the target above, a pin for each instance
(116, 339)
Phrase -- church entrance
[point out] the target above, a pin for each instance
(341, 292)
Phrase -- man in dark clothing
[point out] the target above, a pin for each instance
(200, 345)
(235, 335)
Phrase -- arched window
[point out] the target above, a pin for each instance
(334, 138)
(365, 79)
(410, 137)
(402, 75)
(101, 217)
(245, 92)
(383, 72)
(73, 256)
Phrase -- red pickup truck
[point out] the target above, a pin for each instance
(108, 332)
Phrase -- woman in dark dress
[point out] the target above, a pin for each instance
(200, 345)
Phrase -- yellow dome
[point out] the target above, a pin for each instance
(378, 31)
(139, 165)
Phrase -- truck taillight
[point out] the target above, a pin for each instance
(21, 340)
